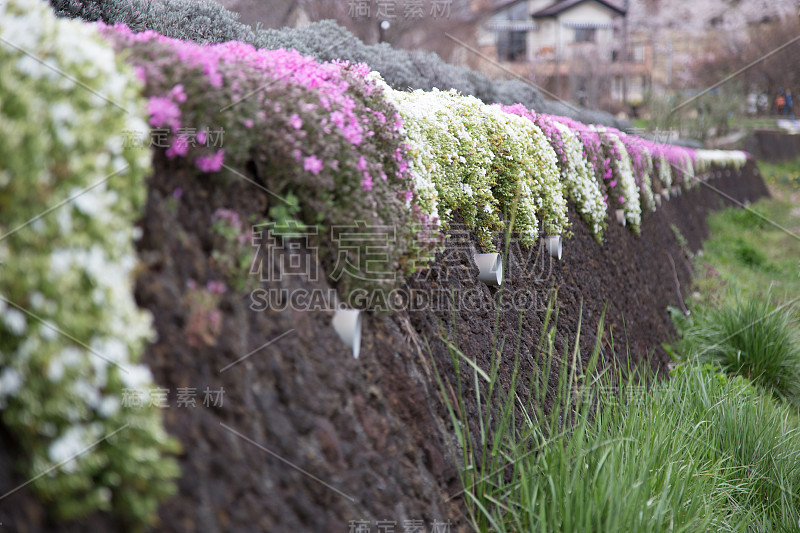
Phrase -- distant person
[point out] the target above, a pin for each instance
(752, 101)
(763, 103)
(787, 109)
(780, 102)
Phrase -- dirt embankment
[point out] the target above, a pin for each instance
(309, 439)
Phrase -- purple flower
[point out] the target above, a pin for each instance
(212, 163)
(312, 164)
(295, 121)
(163, 112)
(621, 200)
(180, 147)
(362, 163)
(216, 287)
(230, 216)
(178, 94)
(141, 73)
(177, 193)
(366, 183)
(613, 183)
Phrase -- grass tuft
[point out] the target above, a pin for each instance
(702, 451)
(753, 338)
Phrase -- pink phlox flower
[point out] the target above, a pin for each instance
(312, 164)
(212, 163)
(216, 287)
(179, 147)
(177, 93)
(366, 183)
(163, 112)
(295, 121)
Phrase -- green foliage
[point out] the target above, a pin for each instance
(754, 338)
(596, 453)
(71, 335)
(783, 174)
(748, 254)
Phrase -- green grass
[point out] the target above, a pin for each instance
(755, 251)
(744, 318)
(754, 338)
(702, 451)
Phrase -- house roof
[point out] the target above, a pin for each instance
(560, 7)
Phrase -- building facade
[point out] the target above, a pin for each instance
(578, 50)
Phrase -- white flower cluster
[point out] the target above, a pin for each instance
(664, 171)
(540, 188)
(482, 161)
(437, 126)
(581, 183)
(622, 171)
(71, 334)
(725, 158)
(687, 173)
(477, 159)
(645, 181)
(421, 160)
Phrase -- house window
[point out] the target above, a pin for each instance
(512, 46)
(585, 35)
(638, 53)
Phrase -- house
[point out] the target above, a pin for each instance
(573, 48)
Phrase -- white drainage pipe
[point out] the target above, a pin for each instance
(347, 323)
(490, 268)
(553, 243)
(620, 216)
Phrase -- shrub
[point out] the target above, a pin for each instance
(641, 166)
(662, 172)
(622, 190)
(321, 132)
(202, 21)
(482, 162)
(205, 21)
(592, 151)
(752, 338)
(580, 182)
(71, 335)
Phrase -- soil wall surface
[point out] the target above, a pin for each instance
(307, 438)
(773, 145)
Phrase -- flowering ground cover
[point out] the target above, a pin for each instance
(71, 334)
(356, 147)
